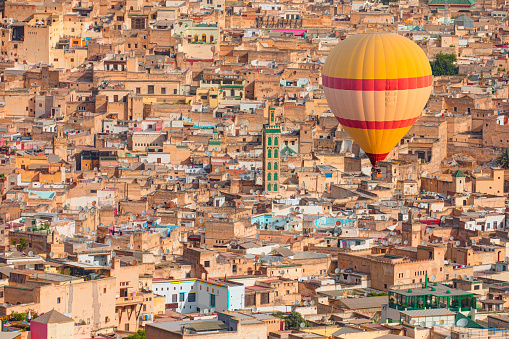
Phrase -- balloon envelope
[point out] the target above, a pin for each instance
(377, 84)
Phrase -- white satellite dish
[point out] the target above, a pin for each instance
(30, 254)
(462, 322)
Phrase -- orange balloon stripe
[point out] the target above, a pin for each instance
(377, 84)
(377, 124)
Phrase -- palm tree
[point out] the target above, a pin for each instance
(503, 159)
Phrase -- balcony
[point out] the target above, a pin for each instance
(129, 300)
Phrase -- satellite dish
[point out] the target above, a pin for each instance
(423, 324)
(27, 266)
(433, 323)
(113, 254)
(405, 242)
(336, 270)
(433, 277)
(166, 251)
(88, 229)
(205, 311)
(451, 238)
(462, 322)
(257, 236)
(464, 277)
(51, 254)
(458, 243)
(282, 271)
(471, 278)
(129, 245)
(30, 254)
(398, 241)
(312, 302)
(296, 302)
(109, 242)
(254, 309)
(423, 243)
(302, 324)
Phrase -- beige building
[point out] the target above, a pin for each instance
(492, 184)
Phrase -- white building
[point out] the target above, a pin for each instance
(195, 295)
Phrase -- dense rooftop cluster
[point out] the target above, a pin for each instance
(172, 169)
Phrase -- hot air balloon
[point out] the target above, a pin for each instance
(376, 85)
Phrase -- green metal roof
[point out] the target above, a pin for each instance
(452, 2)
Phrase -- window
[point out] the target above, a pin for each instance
(269, 166)
(163, 90)
(269, 177)
(191, 297)
(269, 154)
(264, 298)
(268, 187)
(476, 287)
(58, 300)
(276, 141)
(138, 90)
(182, 296)
(206, 264)
(275, 153)
(175, 91)
(250, 300)
(150, 89)
(269, 141)
(275, 166)
(275, 176)
(174, 298)
(212, 300)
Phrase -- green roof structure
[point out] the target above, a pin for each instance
(453, 3)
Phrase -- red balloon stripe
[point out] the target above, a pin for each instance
(377, 84)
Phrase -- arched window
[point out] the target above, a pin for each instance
(204, 37)
(211, 38)
(275, 187)
(269, 166)
(275, 176)
(268, 187)
(276, 141)
(269, 153)
(269, 141)
(275, 153)
(272, 116)
(196, 37)
(275, 166)
(269, 177)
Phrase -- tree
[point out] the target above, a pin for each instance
(292, 320)
(23, 244)
(503, 159)
(444, 65)
(375, 294)
(138, 335)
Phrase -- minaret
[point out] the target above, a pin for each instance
(60, 143)
(271, 156)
